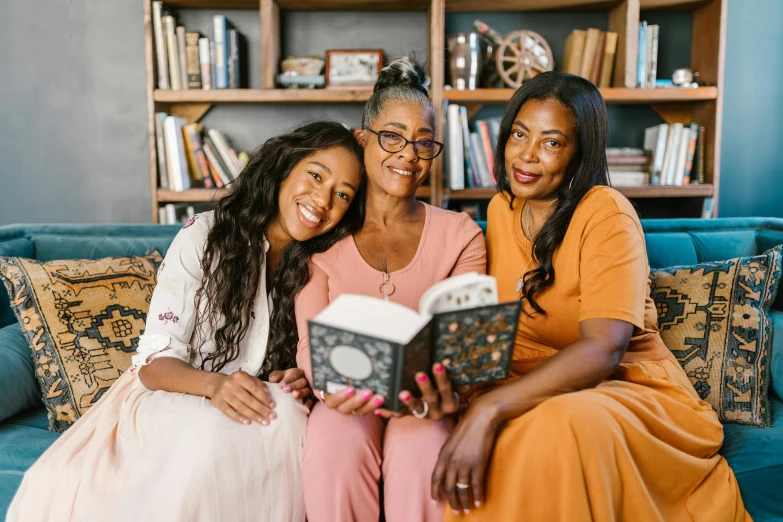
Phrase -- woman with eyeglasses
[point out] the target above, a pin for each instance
(404, 247)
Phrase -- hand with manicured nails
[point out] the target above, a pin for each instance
(441, 399)
(349, 402)
(242, 397)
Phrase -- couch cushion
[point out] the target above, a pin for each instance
(83, 319)
(52, 247)
(23, 439)
(19, 390)
(670, 249)
(13, 247)
(756, 456)
(714, 318)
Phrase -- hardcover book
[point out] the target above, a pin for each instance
(367, 342)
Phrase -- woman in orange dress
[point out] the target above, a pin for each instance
(598, 420)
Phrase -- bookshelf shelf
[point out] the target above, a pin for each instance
(205, 195)
(672, 4)
(263, 96)
(531, 5)
(649, 191)
(611, 95)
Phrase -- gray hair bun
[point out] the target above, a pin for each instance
(404, 72)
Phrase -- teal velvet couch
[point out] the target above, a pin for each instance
(755, 454)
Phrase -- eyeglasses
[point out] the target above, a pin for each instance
(393, 142)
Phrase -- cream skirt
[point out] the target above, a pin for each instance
(140, 455)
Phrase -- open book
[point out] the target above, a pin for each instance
(367, 342)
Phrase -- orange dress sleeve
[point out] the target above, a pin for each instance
(614, 272)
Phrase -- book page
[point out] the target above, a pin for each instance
(469, 290)
(374, 317)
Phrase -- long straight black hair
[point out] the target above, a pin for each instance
(234, 253)
(587, 168)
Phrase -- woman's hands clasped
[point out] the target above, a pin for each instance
(246, 399)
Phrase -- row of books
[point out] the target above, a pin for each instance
(470, 158)
(174, 213)
(591, 54)
(628, 166)
(188, 60)
(647, 56)
(677, 152)
(187, 159)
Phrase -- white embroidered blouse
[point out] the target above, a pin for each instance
(171, 321)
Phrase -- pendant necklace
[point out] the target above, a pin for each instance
(529, 236)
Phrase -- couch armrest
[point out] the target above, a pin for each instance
(19, 389)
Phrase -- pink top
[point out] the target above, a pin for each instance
(451, 244)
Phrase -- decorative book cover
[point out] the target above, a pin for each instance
(365, 342)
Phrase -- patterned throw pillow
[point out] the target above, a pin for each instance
(713, 317)
(82, 320)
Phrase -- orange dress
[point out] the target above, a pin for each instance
(640, 446)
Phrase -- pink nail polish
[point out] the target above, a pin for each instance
(378, 414)
(366, 394)
(439, 368)
(349, 392)
(378, 401)
(422, 378)
(406, 398)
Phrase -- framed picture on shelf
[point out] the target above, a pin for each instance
(353, 67)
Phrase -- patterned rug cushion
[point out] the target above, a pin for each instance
(714, 318)
(82, 319)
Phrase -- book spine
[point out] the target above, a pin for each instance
(483, 130)
(648, 56)
(221, 57)
(160, 46)
(700, 157)
(203, 58)
(190, 133)
(607, 67)
(641, 55)
(160, 149)
(173, 139)
(233, 59)
(171, 46)
(576, 52)
(470, 176)
(654, 57)
(193, 63)
(481, 160)
(225, 152)
(694, 134)
(214, 159)
(591, 43)
(660, 152)
(456, 149)
(183, 60)
(598, 59)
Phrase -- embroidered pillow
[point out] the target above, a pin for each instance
(82, 320)
(714, 318)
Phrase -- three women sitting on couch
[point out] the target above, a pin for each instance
(597, 422)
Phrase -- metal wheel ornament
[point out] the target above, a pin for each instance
(523, 55)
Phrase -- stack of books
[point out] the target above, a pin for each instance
(628, 167)
(189, 159)
(187, 60)
(591, 54)
(677, 152)
(470, 155)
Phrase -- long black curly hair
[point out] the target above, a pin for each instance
(587, 169)
(234, 252)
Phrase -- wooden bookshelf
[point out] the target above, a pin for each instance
(703, 104)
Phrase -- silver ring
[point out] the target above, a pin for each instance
(462, 486)
(424, 412)
(321, 394)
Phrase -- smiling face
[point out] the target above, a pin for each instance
(542, 143)
(397, 173)
(317, 193)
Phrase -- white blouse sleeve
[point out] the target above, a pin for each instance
(172, 314)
